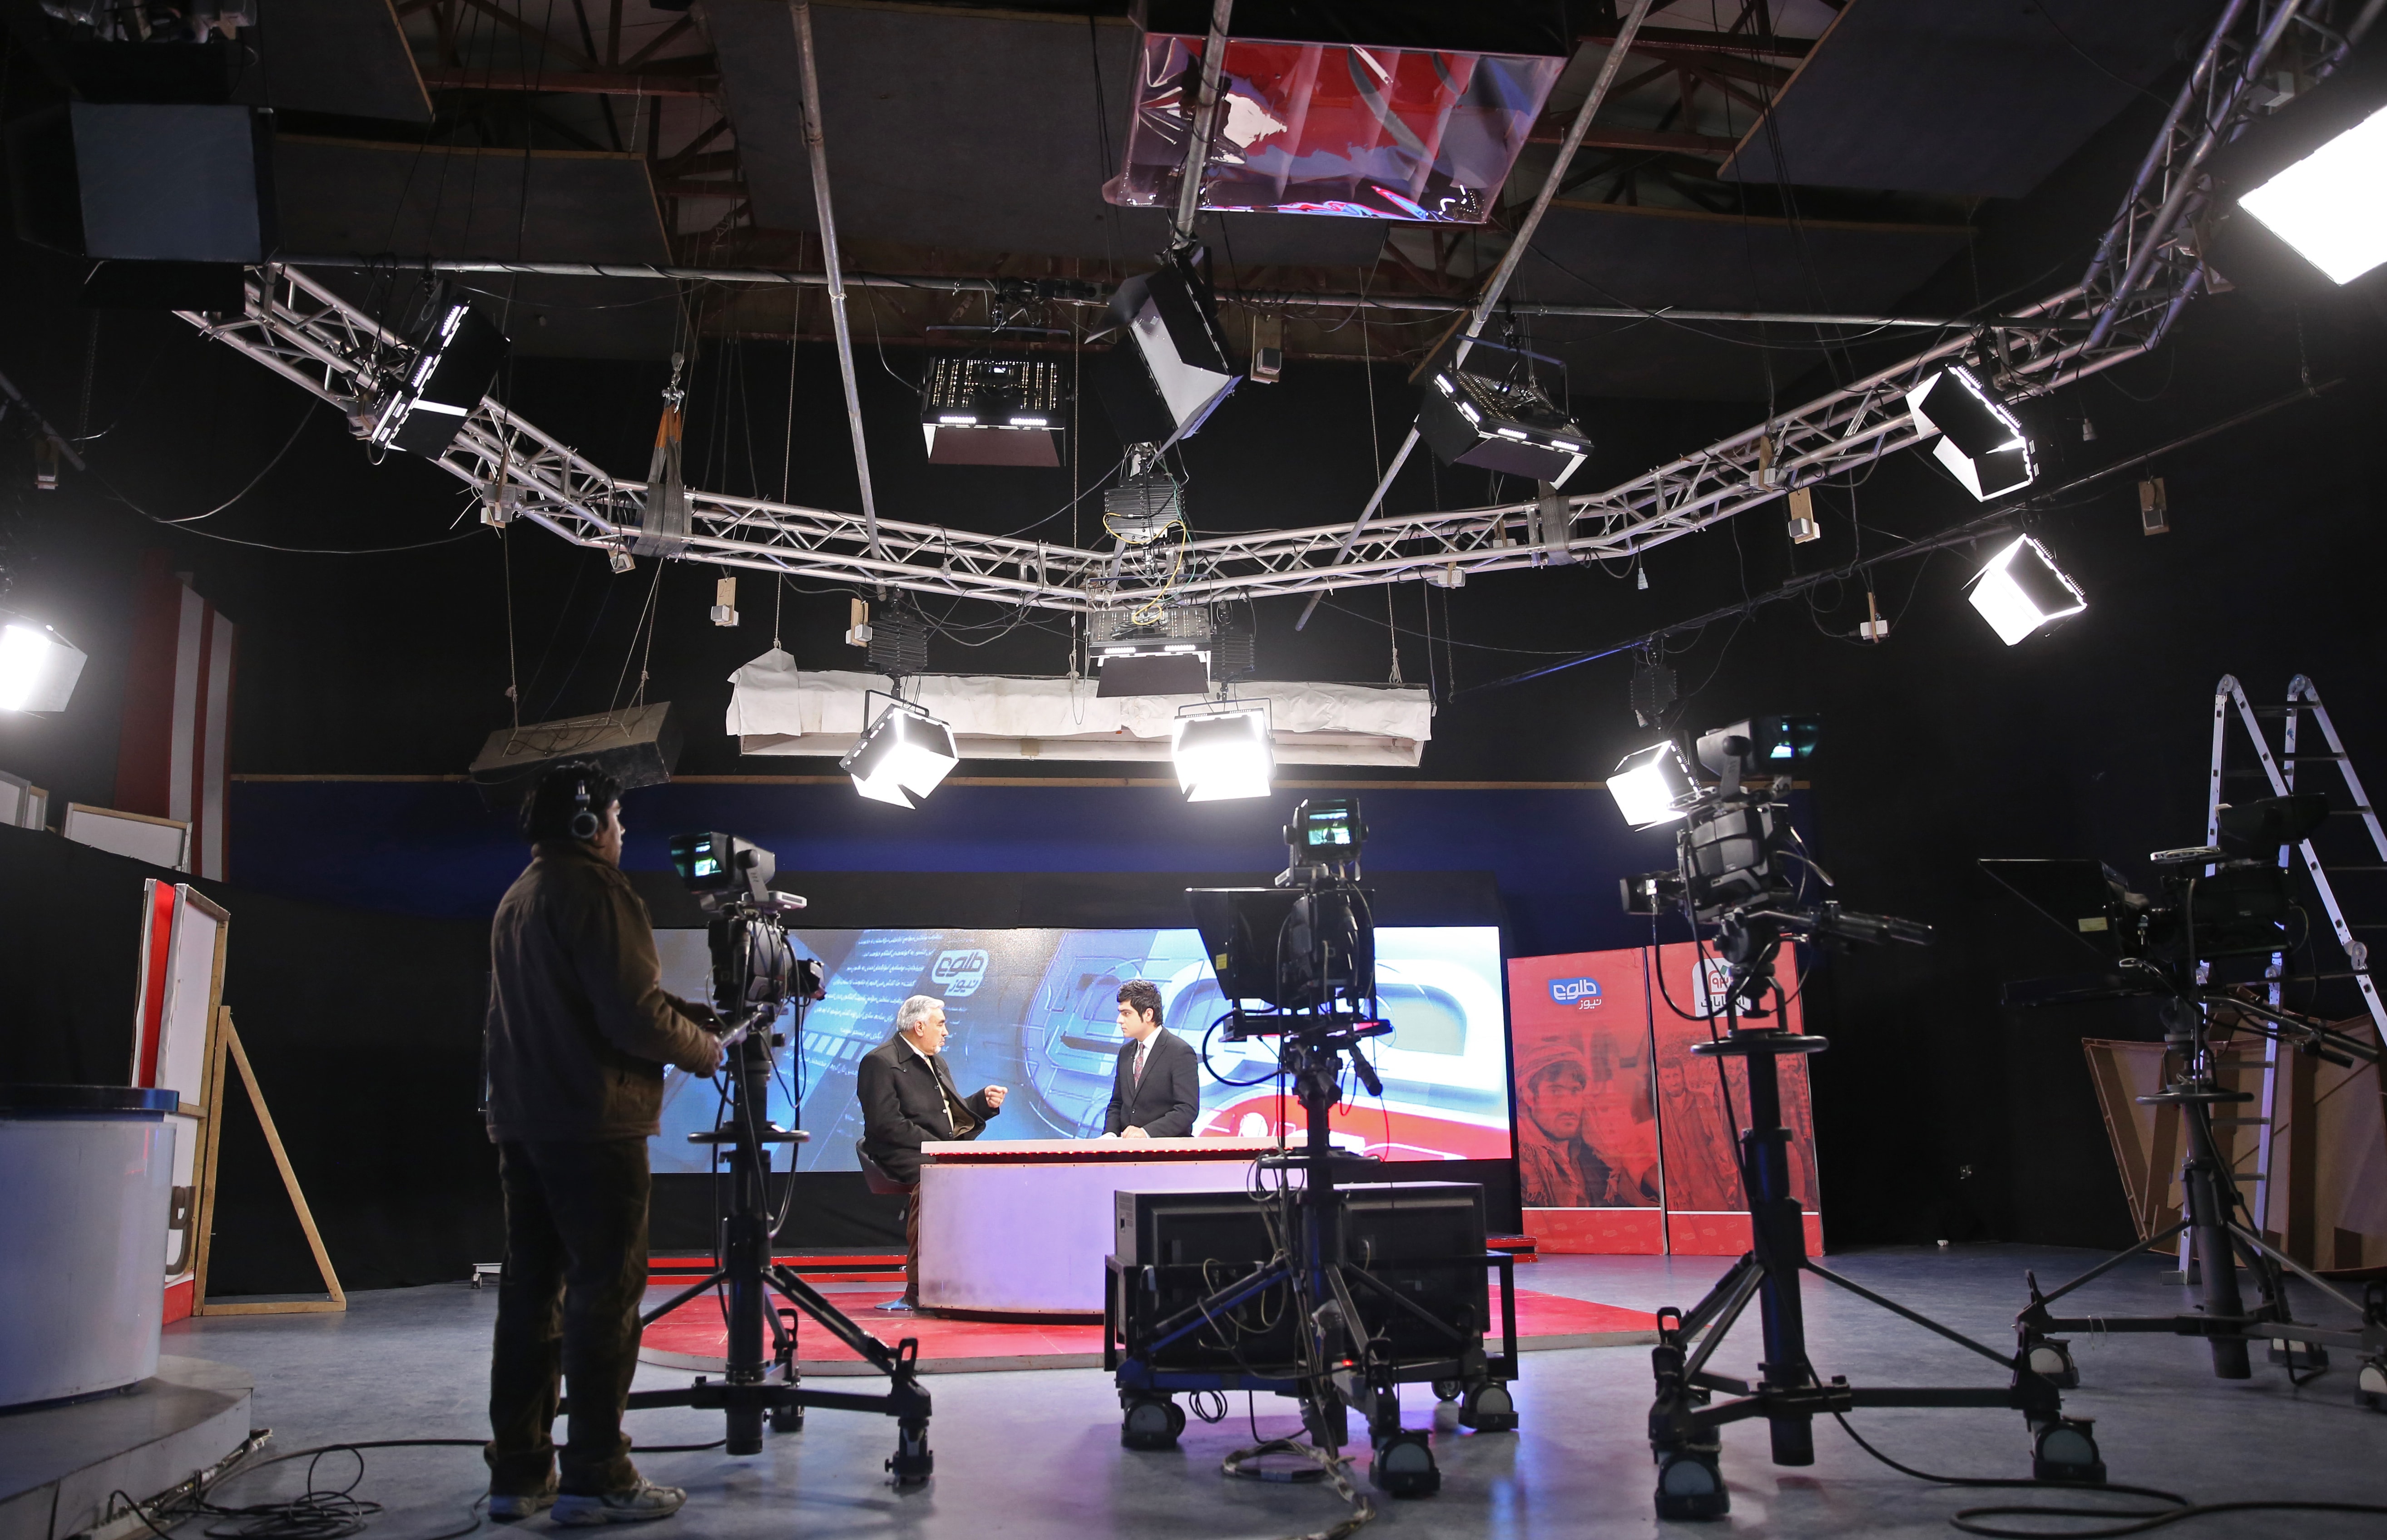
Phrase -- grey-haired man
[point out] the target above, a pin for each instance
(908, 1097)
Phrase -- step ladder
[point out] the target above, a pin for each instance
(2281, 769)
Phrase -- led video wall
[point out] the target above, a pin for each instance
(1627, 1140)
(1036, 1010)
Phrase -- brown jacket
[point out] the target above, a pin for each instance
(579, 1027)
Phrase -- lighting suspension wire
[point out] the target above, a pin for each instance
(1961, 535)
(817, 148)
(1510, 260)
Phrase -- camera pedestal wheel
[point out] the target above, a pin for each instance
(1403, 1465)
(2063, 1450)
(1488, 1408)
(1690, 1483)
(1150, 1423)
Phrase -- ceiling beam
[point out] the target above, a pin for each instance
(584, 82)
(1654, 40)
(1550, 130)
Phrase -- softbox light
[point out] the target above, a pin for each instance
(1652, 785)
(2022, 589)
(1981, 442)
(1171, 320)
(905, 754)
(992, 411)
(2326, 205)
(1222, 755)
(455, 368)
(38, 668)
(1508, 426)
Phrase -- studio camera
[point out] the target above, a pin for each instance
(1740, 867)
(755, 971)
(1308, 943)
(2213, 902)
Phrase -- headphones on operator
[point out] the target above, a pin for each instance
(586, 820)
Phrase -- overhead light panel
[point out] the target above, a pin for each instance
(1981, 442)
(1221, 756)
(905, 754)
(1509, 425)
(457, 364)
(992, 410)
(38, 668)
(1652, 785)
(2327, 206)
(2022, 589)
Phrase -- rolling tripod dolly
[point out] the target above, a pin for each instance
(755, 976)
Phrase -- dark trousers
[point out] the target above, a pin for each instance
(574, 1277)
(911, 1246)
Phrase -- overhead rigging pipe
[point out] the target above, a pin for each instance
(834, 269)
(1203, 110)
(1608, 68)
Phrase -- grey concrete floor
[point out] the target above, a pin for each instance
(1036, 1454)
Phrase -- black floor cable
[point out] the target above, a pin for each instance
(2139, 1520)
(321, 1513)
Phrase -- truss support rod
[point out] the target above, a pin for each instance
(818, 149)
(1201, 111)
(1510, 260)
(1095, 297)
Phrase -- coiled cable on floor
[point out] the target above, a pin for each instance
(2138, 1521)
(1329, 1468)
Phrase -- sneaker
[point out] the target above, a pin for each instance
(634, 1505)
(507, 1506)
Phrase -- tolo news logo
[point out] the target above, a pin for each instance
(1582, 993)
(959, 973)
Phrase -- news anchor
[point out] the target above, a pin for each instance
(1154, 1094)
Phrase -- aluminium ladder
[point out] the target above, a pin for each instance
(2281, 769)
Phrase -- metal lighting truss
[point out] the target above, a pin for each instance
(2146, 268)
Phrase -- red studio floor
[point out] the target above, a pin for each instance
(693, 1337)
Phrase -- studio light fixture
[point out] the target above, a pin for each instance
(1222, 755)
(904, 755)
(992, 410)
(455, 368)
(1981, 442)
(38, 668)
(1162, 383)
(2325, 207)
(2022, 589)
(1496, 423)
(1652, 785)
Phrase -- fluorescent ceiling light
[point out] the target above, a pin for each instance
(1652, 785)
(904, 752)
(1222, 756)
(38, 668)
(2021, 589)
(2328, 205)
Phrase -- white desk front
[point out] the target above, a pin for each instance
(1021, 1225)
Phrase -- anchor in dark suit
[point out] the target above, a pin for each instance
(1155, 1092)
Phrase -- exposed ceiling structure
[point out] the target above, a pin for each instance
(967, 149)
(974, 142)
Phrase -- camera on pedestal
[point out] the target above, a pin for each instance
(757, 980)
(1301, 1314)
(2211, 945)
(1741, 875)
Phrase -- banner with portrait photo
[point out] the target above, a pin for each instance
(1627, 1140)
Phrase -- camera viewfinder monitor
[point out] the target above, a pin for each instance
(1327, 830)
(717, 863)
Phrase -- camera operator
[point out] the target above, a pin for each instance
(579, 1030)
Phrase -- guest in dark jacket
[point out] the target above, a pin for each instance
(579, 1029)
(1155, 1092)
(908, 1097)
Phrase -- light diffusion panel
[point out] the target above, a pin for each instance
(1036, 1010)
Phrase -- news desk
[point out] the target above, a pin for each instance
(1022, 1226)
